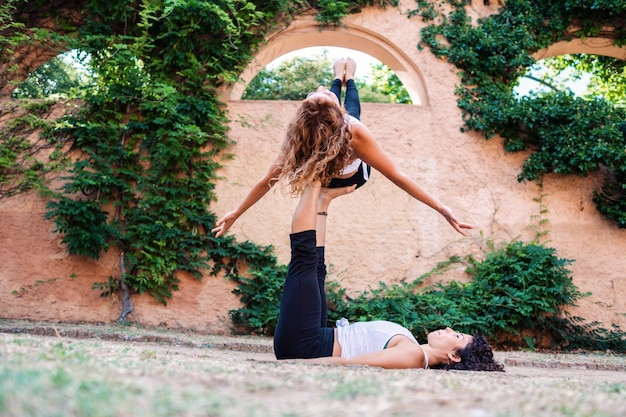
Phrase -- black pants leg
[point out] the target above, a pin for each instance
(299, 333)
(352, 103)
(335, 88)
(321, 285)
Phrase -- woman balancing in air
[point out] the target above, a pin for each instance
(327, 142)
(301, 332)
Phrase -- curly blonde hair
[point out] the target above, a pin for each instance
(318, 144)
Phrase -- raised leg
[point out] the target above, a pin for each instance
(326, 196)
(352, 103)
(339, 68)
(299, 333)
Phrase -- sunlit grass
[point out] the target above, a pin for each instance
(56, 376)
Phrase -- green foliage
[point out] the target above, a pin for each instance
(17, 34)
(566, 134)
(15, 31)
(149, 132)
(29, 151)
(54, 78)
(295, 78)
(521, 285)
(26, 163)
(150, 172)
(291, 80)
(607, 74)
(83, 225)
(515, 288)
(518, 288)
(260, 295)
(331, 12)
(569, 134)
(611, 199)
(386, 82)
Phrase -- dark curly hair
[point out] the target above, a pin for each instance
(476, 356)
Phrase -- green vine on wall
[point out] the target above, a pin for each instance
(149, 133)
(516, 296)
(146, 141)
(26, 140)
(566, 134)
(150, 130)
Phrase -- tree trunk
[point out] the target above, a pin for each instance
(127, 305)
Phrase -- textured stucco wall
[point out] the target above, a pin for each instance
(376, 234)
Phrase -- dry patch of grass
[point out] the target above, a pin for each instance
(116, 372)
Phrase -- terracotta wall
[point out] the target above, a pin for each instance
(376, 234)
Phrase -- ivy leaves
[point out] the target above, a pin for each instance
(518, 287)
(148, 134)
(567, 134)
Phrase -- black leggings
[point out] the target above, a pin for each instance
(359, 178)
(301, 331)
(352, 103)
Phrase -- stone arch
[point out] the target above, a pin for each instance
(305, 33)
(591, 46)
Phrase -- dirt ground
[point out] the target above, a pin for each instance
(239, 376)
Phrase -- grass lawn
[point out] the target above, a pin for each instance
(112, 370)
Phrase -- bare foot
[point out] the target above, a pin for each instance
(350, 69)
(339, 67)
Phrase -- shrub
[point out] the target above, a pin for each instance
(518, 292)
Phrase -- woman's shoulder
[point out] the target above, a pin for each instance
(358, 128)
(362, 138)
(353, 121)
(410, 351)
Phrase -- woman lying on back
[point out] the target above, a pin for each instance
(301, 331)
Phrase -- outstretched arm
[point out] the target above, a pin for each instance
(368, 149)
(258, 190)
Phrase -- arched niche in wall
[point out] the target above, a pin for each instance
(590, 46)
(308, 33)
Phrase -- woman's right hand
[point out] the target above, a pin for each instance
(224, 223)
(454, 222)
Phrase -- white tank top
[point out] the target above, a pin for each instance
(351, 167)
(354, 165)
(369, 336)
